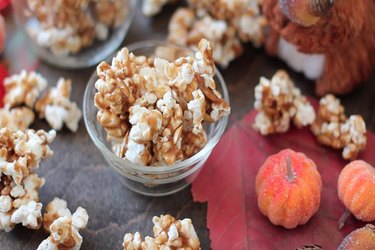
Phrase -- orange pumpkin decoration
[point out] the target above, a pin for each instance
(356, 188)
(288, 186)
(360, 239)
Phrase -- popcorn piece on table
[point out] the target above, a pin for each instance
(278, 103)
(148, 105)
(63, 226)
(169, 233)
(29, 215)
(23, 89)
(20, 154)
(19, 118)
(334, 129)
(57, 108)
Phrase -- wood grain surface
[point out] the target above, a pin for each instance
(78, 173)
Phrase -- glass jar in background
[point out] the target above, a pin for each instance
(74, 33)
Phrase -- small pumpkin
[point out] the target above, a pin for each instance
(360, 239)
(288, 186)
(356, 189)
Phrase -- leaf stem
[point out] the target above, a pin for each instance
(343, 218)
(290, 176)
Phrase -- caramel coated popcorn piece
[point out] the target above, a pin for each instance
(23, 89)
(20, 155)
(63, 226)
(55, 106)
(334, 129)
(169, 233)
(29, 215)
(279, 102)
(149, 105)
(19, 118)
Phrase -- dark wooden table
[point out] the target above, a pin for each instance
(79, 174)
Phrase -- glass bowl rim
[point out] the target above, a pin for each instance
(70, 61)
(160, 169)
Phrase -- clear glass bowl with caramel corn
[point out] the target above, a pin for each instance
(74, 33)
(156, 111)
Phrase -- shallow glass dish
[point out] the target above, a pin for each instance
(88, 56)
(155, 180)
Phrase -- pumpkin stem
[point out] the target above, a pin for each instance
(290, 176)
(343, 218)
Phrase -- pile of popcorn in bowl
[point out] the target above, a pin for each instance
(156, 111)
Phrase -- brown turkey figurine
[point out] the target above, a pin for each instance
(330, 41)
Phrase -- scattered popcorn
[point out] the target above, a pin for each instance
(333, 128)
(55, 209)
(23, 89)
(19, 118)
(20, 155)
(67, 27)
(63, 226)
(224, 23)
(5, 223)
(29, 215)
(169, 233)
(57, 108)
(153, 110)
(5, 203)
(279, 102)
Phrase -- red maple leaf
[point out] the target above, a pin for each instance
(4, 4)
(227, 183)
(3, 75)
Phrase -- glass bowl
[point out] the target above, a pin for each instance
(155, 180)
(87, 56)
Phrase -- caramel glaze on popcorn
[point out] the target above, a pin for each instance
(20, 155)
(333, 128)
(23, 89)
(22, 97)
(57, 108)
(279, 103)
(153, 110)
(63, 226)
(19, 118)
(169, 233)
